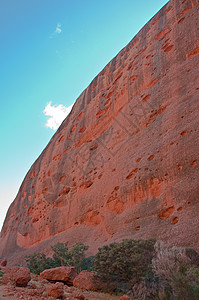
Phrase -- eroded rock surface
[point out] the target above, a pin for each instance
(124, 163)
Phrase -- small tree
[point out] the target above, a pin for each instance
(62, 256)
(73, 257)
(88, 263)
(77, 253)
(38, 262)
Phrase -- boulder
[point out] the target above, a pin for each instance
(71, 289)
(85, 281)
(41, 289)
(6, 275)
(5, 279)
(56, 290)
(125, 297)
(20, 275)
(6, 270)
(3, 263)
(78, 295)
(64, 274)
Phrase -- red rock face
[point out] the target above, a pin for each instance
(125, 162)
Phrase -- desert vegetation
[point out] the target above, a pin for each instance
(144, 269)
(62, 256)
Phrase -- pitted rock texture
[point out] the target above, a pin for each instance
(125, 162)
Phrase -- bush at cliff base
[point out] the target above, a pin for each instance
(148, 270)
(145, 269)
(121, 265)
(74, 257)
(173, 275)
(38, 262)
(62, 256)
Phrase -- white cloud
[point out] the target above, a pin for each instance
(58, 30)
(56, 114)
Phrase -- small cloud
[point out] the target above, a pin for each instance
(56, 114)
(58, 30)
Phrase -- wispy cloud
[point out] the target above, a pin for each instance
(56, 114)
(57, 31)
(58, 28)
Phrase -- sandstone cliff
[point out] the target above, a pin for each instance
(124, 163)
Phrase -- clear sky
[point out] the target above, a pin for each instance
(50, 50)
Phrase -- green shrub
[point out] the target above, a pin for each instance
(78, 255)
(88, 263)
(73, 257)
(123, 263)
(38, 262)
(62, 256)
(1, 274)
(193, 255)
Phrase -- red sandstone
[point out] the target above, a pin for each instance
(56, 290)
(84, 280)
(125, 297)
(20, 275)
(64, 274)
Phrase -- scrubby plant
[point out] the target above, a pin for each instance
(1, 274)
(145, 268)
(88, 263)
(123, 263)
(78, 255)
(62, 256)
(142, 291)
(38, 262)
(73, 257)
(193, 255)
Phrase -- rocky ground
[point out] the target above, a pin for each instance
(56, 283)
(34, 292)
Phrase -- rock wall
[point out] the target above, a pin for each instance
(124, 163)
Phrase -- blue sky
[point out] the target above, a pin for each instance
(50, 51)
